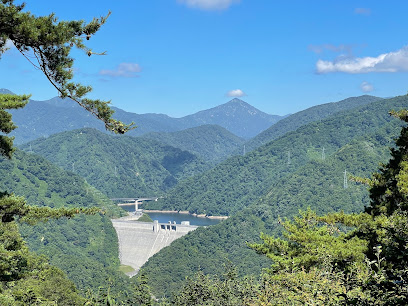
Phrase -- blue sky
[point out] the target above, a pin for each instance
(180, 56)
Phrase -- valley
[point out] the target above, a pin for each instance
(301, 165)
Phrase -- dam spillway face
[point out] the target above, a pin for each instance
(138, 241)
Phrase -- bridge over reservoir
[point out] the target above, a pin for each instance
(138, 241)
(132, 201)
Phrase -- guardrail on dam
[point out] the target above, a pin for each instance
(138, 241)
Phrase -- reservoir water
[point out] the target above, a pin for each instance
(166, 217)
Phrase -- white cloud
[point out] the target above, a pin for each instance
(366, 87)
(362, 11)
(209, 5)
(388, 62)
(236, 93)
(126, 70)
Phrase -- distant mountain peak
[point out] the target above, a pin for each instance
(238, 105)
(236, 100)
(237, 116)
(240, 102)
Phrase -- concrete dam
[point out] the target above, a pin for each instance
(138, 241)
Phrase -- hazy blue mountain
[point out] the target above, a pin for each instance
(37, 119)
(236, 116)
(318, 112)
(5, 91)
(150, 122)
(119, 166)
(211, 142)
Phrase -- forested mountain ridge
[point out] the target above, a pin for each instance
(315, 113)
(85, 247)
(211, 142)
(37, 119)
(241, 180)
(318, 184)
(120, 166)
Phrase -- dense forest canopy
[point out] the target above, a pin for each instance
(120, 166)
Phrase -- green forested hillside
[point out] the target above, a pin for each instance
(320, 183)
(317, 184)
(44, 184)
(306, 116)
(240, 180)
(119, 166)
(211, 142)
(85, 247)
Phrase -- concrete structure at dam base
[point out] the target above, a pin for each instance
(138, 241)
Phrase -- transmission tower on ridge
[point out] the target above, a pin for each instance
(345, 182)
(289, 157)
(323, 154)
